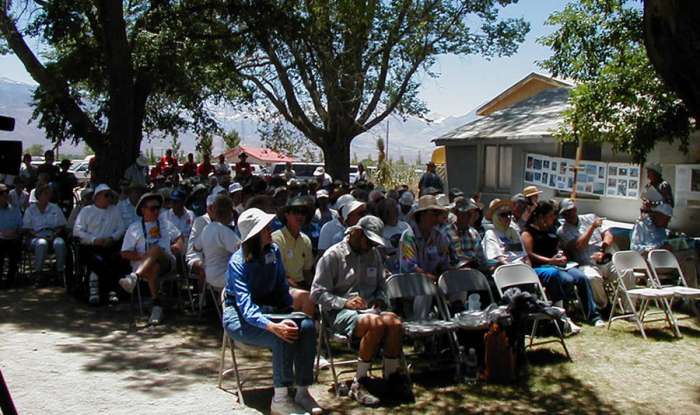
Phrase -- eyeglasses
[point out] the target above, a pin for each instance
(505, 215)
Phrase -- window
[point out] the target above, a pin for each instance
(498, 171)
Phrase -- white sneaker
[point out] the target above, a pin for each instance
(128, 283)
(570, 328)
(599, 323)
(323, 363)
(285, 407)
(309, 404)
(156, 315)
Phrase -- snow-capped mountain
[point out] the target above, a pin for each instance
(407, 137)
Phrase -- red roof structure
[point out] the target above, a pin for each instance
(257, 155)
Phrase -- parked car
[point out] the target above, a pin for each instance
(304, 171)
(80, 169)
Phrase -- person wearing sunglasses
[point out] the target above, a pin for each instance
(501, 242)
(149, 244)
(297, 253)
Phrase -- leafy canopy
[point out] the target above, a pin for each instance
(619, 98)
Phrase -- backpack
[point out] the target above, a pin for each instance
(499, 359)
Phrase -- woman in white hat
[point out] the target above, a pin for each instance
(256, 285)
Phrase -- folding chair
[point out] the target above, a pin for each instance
(464, 281)
(664, 260)
(175, 276)
(627, 265)
(409, 286)
(512, 275)
(228, 343)
(215, 293)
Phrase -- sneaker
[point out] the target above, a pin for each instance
(359, 392)
(156, 315)
(399, 388)
(94, 297)
(323, 363)
(570, 328)
(309, 404)
(128, 283)
(285, 407)
(599, 323)
(113, 297)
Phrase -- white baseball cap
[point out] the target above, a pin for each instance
(102, 188)
(321, 194)
(211, 199)
(350, 207)
(252, 221)
(235, 187)
(217, 189)
(320, 171)
(342, 200)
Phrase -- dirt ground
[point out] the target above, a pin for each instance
(61, 356)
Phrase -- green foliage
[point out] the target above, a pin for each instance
(176, 146)
(231, 139)
(276, 135)
(619, 98)
(87, 151)
(394, 174)
(205, 145)
(36, 150)
(336, 68)
(152, 159)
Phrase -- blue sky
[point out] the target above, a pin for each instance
(464, 82)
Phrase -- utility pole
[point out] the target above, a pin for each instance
(386, 146)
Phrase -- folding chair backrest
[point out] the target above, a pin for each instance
(512, 275)
(409, 286)
(664, 259)
(629, 260)
(464, 280)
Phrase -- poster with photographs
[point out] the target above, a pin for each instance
(591, 178)
(623, 180)
(538, 170)
(687, 188)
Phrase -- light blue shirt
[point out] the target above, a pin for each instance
(10, 218)
(647, 236)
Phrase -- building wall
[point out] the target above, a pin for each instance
(465, 170)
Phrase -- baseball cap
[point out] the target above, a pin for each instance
(406, 199)
(235, 187)
(372, 227)
(566, 204)
(102, 188)
(462, 204)
(322, 193)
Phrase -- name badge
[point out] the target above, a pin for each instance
(270, 258)
(372, 272)
(290, 253)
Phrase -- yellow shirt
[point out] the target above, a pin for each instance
(297, 255)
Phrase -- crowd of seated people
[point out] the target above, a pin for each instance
(320, 246)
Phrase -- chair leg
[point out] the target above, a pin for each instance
(235, 370)
(216, 302)
(534, 332)
(671, 318)
(561, 340)
(224, 342)
(332, 362)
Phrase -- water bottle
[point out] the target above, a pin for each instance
(471, 366)
(474, 302)
(94, 289)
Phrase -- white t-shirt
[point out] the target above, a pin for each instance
(43, 223)
(95, 223)
(328, 233)
(200, 222)
(134, 239)
(217, 242)
(183, 223)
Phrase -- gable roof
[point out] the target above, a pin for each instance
(527, 87)
(535, 117)
(262, 154)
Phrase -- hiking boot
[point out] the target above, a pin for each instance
(309, 404)
(399, 388)
(94, 297)
(285, 407)
(129, 282)
(156, 315)
(359, 392)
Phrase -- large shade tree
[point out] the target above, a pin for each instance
(110, 72)
(335, 69)
(619, 97)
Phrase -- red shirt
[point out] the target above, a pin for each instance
(204, 169)
(168, 165)
(243, 169)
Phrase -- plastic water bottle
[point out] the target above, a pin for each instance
(94, 289)
(471, 365)
(474, 302)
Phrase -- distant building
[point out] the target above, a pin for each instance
(488, 155)
(262, 156)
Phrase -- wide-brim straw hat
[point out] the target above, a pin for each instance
(530, 191)
(495, 205)
(425, 203)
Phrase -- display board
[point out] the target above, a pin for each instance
(687, 186)
(593, 176)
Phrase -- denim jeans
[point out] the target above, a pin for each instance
(560, 283)
(292, 363)
(41, 249)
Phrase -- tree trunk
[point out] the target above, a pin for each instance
(672, 36)
(336, 154)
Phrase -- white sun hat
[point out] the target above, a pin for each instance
(252, 221)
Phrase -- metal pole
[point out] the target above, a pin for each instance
(386, 150)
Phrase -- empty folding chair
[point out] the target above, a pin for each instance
(662, 260)
(628, 265)
(464, 281)
(513, 275)
(409, 286)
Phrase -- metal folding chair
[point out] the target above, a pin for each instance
(662, 261)
(628, 265)
(512, 275)
(228, 343)
(464, 281)
(407, 287)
